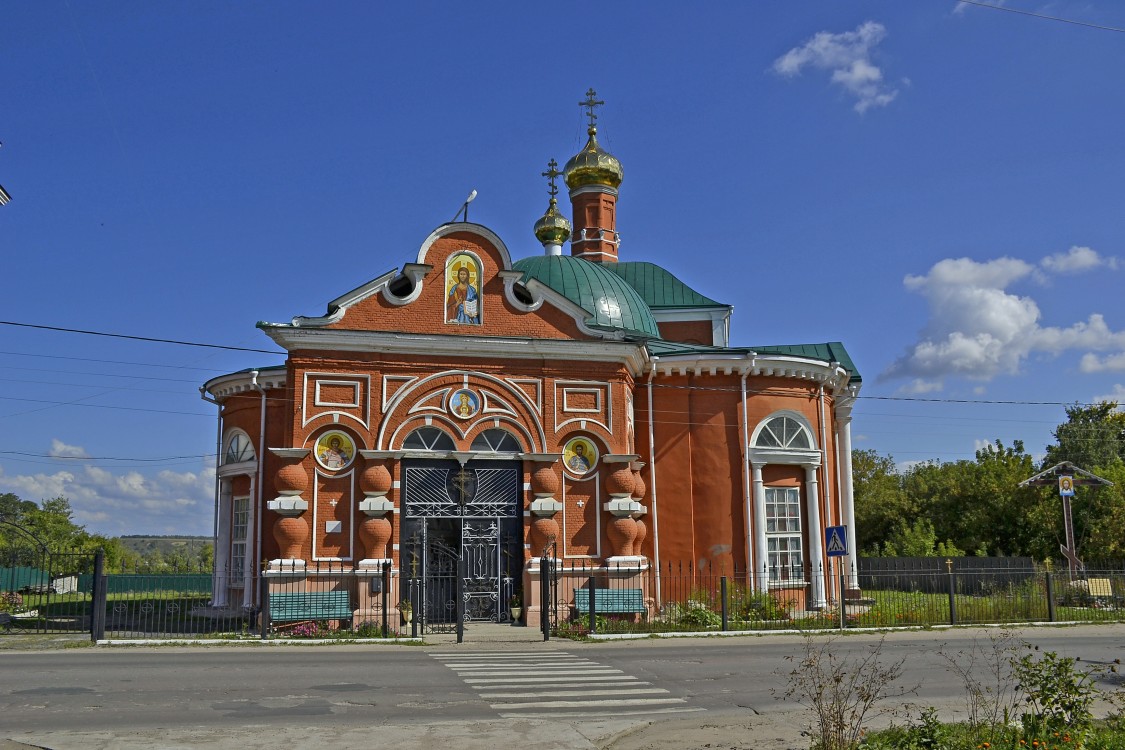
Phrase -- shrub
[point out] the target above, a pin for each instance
(694, 613)
(10, 601)
(841, 691)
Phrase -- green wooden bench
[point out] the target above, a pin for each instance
(611, 601)
(288, 606)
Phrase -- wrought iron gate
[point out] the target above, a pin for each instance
(42, 590)
(462, 513)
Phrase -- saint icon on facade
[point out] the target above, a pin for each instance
(464, 404)
(462, 300)
(579, 456)
(334, 450)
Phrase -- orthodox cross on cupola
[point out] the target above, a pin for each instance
(590, 104)
(552, 174)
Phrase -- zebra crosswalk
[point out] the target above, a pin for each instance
(556, 684)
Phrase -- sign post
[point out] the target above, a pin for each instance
(836, 543)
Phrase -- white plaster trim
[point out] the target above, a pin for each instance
(560, 405)
(402, 380)
(796, 417)
(603, 189)
(629, 353)
(361, 380)
(489, 398)
(405, 392)
(538, 403)
(599, 400)
(242, 382)
(241, 468)
(354, 404)
(462, 226)
(426, 403)
(718, 317)
(511, 278)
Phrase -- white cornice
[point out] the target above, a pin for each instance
(800, 368)
(242, 382)
(631, 354)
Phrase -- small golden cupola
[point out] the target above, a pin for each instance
(552, 229)
(593, 176)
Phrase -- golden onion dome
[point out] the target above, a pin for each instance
(552, 228)
(593, 166)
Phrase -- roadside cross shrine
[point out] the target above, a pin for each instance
(1067, 476)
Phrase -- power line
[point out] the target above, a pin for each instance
(1041, 15)
(103, 406)
(112, 361)
(141, 338)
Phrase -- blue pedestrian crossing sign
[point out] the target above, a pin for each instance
(836, 540)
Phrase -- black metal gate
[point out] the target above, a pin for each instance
(42, 590)
(468, 515)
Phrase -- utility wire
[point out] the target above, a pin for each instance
(1041, 15)
(141, 338)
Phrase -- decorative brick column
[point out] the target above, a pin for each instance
(291, 529)
(544, 530)
(639, 490)
(619, 484)
(376, 530)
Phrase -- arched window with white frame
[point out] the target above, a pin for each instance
(428, 439)
(238, 448)
(496, 441)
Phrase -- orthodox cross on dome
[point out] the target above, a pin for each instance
(552, 174)
(590, 103)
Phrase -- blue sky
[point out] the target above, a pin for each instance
(936, 185)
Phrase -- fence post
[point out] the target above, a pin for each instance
(98, 595)
(264, 599)
(952, 591)
(415, 607)
(591, 612)
(723, 594)
(459, 592)
(546, 565)
(386, 599)
(1050, 596)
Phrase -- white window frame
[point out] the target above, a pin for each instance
(784, 537)
(239, 536)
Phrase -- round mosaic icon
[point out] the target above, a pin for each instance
(464, 404)
(580, 455)
(335, 450)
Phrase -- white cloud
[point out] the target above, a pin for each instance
(128, 502)
(1118, 395)
(1076, 260)
(59, 449)
(1109, 363)
(978, 329)
(848, 56)
(960, 8)
(920, 386)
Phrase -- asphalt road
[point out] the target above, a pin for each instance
(170, 691)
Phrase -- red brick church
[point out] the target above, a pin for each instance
(583, 402)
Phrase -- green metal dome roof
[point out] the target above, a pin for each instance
(611, 302)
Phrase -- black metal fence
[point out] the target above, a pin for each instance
(683, 597)
(69, 592)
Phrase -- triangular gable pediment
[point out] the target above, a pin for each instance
(462, 283)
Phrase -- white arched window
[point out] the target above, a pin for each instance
(496, 441)
(238, 448)
(428, 439)
(784, 432)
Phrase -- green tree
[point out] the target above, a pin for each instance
(880, 503)
(1092, 437)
